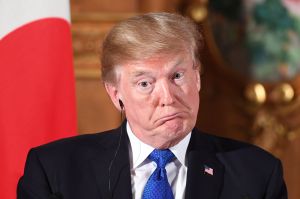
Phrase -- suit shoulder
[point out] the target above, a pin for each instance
(77, 144)
(230, 146)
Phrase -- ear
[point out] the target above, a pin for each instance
(113, 93)
(198, 79)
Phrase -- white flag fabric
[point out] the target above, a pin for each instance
(15, 13)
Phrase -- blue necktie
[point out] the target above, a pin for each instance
(157, 186)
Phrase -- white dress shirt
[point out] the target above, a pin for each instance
(141, 168)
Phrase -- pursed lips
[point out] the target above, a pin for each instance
(169, 117)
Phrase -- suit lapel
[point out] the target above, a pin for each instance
(113, 172)
(205, 172)
(200, 154)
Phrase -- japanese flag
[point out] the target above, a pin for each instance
(37, 90)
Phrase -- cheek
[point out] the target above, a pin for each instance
(133, 98)
(191, 92)
(193, 98)
(194, 101)
(138, 107)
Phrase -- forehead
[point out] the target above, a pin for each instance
(159, 63)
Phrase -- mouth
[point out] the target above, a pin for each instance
(169, 117)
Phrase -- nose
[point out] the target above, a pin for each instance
(166, 93)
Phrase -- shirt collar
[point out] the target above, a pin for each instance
(179, 150)
(140, 151)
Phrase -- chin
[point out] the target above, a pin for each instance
(174, 125)
(173, 138)
(175, 130)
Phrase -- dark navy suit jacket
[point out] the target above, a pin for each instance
(78, 168)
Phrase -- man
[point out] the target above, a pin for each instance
(150, 69)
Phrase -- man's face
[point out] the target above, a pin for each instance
(160, 97)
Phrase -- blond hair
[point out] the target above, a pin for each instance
(147, 35)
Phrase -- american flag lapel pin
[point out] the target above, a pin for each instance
(208, 170)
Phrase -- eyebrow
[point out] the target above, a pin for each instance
(178, 62)
(139, 73)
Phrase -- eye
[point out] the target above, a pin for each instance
(144, 84)
(178, 75)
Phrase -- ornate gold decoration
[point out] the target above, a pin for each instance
(269, 132)
(88, 74)
(198, 13)
(273, 111)
(283, 93)
(198, 10)
(88, 31)
(256, 93)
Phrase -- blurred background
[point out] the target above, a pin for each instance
(251, 61)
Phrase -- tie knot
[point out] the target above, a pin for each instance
(161, 157)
